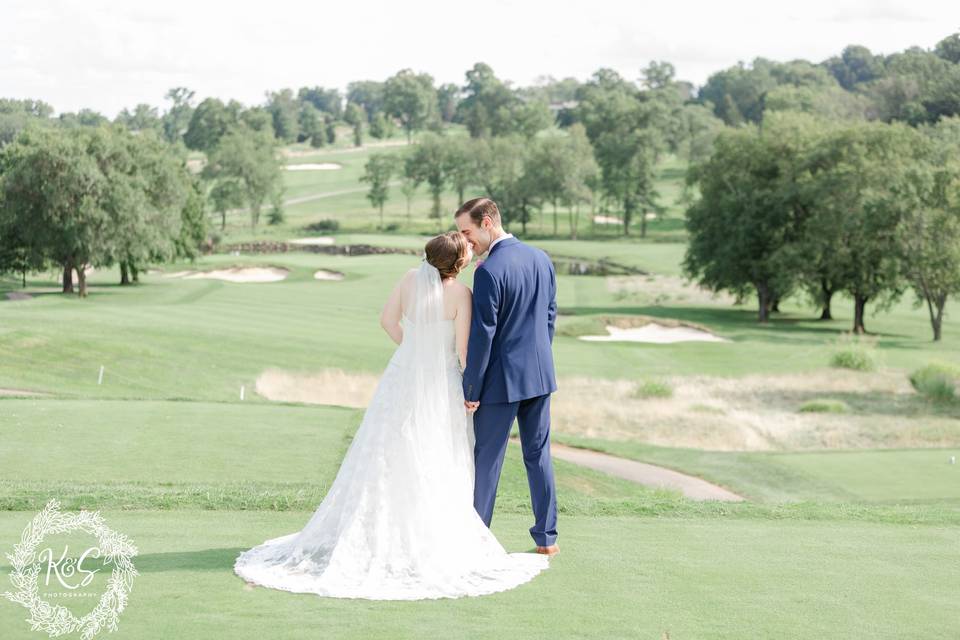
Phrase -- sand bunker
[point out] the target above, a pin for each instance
(324, 274)
(329, 386)
(18, 295)
(607, 220)
(655, 333)
(235, 274)
(315, 166)
(323, 241)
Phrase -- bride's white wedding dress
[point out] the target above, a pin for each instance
(398, 522)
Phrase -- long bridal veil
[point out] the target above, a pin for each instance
(398, 522)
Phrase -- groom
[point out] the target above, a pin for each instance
(509, 373)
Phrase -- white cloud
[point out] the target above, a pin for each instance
(108, 54)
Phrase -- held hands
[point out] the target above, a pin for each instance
(471, 406)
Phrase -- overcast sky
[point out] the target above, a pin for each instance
(107, 54)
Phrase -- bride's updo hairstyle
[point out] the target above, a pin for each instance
(449, 253)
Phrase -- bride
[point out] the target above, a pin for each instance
(398, 522)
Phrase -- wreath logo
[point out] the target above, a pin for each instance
(116, 549)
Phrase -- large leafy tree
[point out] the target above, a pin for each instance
(743, 225)
(618, 124)
(929, 232)
(488, 104)
(412, 99)
(210, 120)
(52, 191)
(246, 159)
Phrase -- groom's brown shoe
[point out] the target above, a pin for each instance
(551, 550)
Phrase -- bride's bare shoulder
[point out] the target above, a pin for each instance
(457, 288)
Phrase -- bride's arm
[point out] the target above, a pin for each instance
(393, 310)
(462, 324)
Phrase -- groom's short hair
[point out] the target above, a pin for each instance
(478, 208)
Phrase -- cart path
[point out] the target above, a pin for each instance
(649, 475)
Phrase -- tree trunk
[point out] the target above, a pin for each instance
(555, 219)
(936, 315)
(775, 304)
(223, 220)
(23, 276)
(134, 273)
(826, 296)
(763, 299)
(460, 191)
(68, 277)
(643, 224)
(859, 305)
(124, 274)
(574, 222)
(82, 278)
(381, 216)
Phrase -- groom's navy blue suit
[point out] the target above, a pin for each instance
(510, 372)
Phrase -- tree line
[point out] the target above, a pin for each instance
(799, 204)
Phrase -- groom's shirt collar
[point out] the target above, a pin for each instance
(494, 243)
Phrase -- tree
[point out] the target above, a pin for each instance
(949, 48)
(143, 118)
(147, 189)
(325, 100)
(285, 109)
(500, 169)
(625, 145)
(859, 170)
(743, 225)
(368, 94)
(460, 164)
(381, 126)
(856, 65)
(176, 120)
(226, 194)
(929, 232)
(582, 174)
(411, 98)
(248, 158)
(16, 115)
(208, 123)
(448, 97)
(312, 126)
(429, 162)
(51, 190)
(488, 104)
(378, 170)
(355, 117)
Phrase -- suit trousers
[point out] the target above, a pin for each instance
(492, 423)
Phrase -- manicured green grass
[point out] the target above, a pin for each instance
(894, 477)
(614, 578)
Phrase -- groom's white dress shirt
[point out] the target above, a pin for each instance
(492, 244)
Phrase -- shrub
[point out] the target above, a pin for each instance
(824, 405)
(391, 227)
(937, 382)
(857, 354)
(653, 389)
(326, 225)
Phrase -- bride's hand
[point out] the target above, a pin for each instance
(471, 406)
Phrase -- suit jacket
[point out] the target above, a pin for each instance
(509, 352)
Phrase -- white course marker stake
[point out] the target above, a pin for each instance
(100, 377)
(241, 392)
